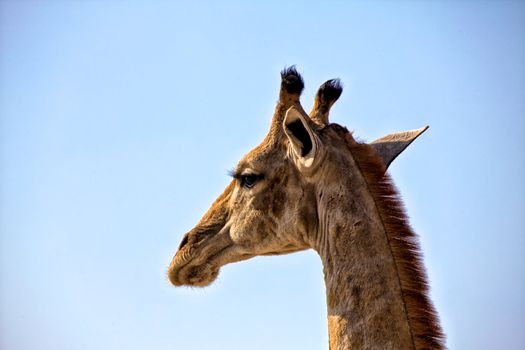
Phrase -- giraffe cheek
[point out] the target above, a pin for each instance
(240, 231)
(236, 234)
(278, 203)
(250, 233)
(262, 202)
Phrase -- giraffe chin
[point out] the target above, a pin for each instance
(194, 276)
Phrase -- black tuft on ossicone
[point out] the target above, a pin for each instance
(330, 90)
(291, 80)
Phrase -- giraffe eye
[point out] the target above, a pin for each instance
(249, 180)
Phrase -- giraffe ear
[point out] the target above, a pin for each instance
(300, 136)
(390, 146)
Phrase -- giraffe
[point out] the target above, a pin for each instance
(310, 184)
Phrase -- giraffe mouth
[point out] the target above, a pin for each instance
(196, 276)
(199, 265)
(188, 270)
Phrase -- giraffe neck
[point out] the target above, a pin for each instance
(366, 309)
(365, 305)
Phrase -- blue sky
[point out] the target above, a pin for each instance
(119, 122)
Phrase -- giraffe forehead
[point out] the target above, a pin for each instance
(262, 158)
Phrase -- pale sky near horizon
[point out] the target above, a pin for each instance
(119, 121)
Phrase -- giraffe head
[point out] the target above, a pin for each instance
(271, 205)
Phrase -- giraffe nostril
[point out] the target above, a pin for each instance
(197, 235)
(184, 241)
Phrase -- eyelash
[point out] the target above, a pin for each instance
(247, 180)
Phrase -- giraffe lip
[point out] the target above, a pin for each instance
(198, 276)
(193, 275)
(187, 269)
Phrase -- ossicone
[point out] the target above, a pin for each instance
(291, 81)
(292, 85)
(326, 96)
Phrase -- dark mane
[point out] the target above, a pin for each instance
(404, 245)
